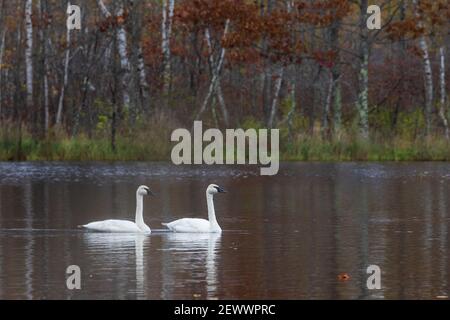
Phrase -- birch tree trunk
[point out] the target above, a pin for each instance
(428, 74)
(138, 64)
(216, 70)
(121, 39)
(363, 76)
(443, 98)
(143, 85)
(223, 106)
(29, 53)
(124, 61)
(65, 78)
(274, 105)
(166, 32)
(212, 64)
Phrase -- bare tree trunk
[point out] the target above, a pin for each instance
(65, 79)
(141, 87)
(2, 51)
(274, 105)
(327, 107)
(121, 37)
(215, 71)
(363, 76)
(124, 62)
(18, 83)
(290, 115)
(291, 81)
(143, 79)
(212, 64)
(336, 72)
(266, 9)
(223, 107)
(428, 74)
(103, 9)
(43, 39)
(166, 32)
(46, 103)
(443, 98)
(337, 104)
(29, 53)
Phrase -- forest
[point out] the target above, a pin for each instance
(138, 69)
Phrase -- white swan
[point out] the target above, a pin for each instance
(124, 225)
(199, 225)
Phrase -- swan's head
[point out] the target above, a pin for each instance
(214, 188)
(144, 191)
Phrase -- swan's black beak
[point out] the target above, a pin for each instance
(149, 192)
(220, 190)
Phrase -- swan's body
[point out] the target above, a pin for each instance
(125, 226)
(191, 225)
(116, 226)
(195, 225)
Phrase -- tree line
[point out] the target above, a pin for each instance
(312, 67)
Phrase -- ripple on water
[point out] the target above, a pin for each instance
(103, 172)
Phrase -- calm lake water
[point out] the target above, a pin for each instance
(287, 236)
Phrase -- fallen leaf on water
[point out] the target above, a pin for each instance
(343, 276)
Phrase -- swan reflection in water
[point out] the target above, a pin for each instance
(113, 253)
(190, 261)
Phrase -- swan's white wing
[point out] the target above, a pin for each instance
(189, 225)
(113, 226)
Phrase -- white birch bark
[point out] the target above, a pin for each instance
(443, 98)
(139, 76)
(216, 69)
(121, 38)
(427, 71)
(166, 32)
(142, 75)
(363, 76)
(223, 106)
(278, 82)
(29, 52)
(219, 93)
(103, 9)
(274, 105)
(124, 61)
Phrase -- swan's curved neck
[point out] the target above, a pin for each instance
(211, 213)
(139, 208)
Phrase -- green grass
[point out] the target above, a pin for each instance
(81, 149)
(144, 147)
(353, 149)
(143, 144)
(150, 141)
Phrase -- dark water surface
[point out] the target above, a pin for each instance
(287, 236)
